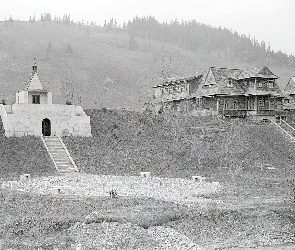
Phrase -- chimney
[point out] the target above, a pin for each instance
(34, 67)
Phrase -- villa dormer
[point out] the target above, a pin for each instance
(34, 92)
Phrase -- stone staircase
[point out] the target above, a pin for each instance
(59, 154)
(285, 128)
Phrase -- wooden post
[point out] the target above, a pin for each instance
(223, 108)
(217, 106)
(255, 104)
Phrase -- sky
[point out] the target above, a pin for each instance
(272, 21)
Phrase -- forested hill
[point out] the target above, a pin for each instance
(115, 65)
(193, 35)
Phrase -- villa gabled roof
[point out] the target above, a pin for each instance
(178, 80)
(223, 81)
(221, 74)
(290, 87)
(217, 80)
(259, 72)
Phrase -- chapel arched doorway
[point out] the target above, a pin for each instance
(46, 127)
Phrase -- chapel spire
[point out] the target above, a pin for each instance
(34, 67)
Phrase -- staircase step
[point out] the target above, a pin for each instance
(64, 164)
(67, 170)
(59, 154)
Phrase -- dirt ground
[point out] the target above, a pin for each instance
(36, 217)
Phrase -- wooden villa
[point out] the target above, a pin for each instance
(226, 92)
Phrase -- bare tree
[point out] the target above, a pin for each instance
(67, 89)
(69, 49)
(145, 92)
(167, 62)
(49, 50)
(70, 88)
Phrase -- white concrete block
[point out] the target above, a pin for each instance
(24, 177)
(60, 189)
(13, 185)
(145, 174)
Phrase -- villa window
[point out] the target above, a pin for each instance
(259, 85)
(199, 101)
(260, 104)
(250, 104)
(271, 84)
(36, 99)
(230, 83)
(225, 105)
(182, 88)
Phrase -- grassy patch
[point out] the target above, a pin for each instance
(39, 218)
(21, 155)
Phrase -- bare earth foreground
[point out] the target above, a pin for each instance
(181, 191)
(120, 225)
(175, 190)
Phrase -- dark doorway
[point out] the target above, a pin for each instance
(46, 127)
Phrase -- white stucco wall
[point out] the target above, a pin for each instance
(49, 98)
(22, 96)
(43, 97)
(26, 97)
(26, 119)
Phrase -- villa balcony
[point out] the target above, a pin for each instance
(244, 112)
(271, 112)
(234, 113)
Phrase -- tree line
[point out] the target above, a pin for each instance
(193, 35)
(190, 35)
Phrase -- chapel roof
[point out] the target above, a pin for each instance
(34, 82)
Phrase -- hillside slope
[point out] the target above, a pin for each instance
(125, 143)
(103, 70)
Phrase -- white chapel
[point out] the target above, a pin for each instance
(34, 114)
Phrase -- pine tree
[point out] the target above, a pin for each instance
(49, 50)
(69, 49)
(10, 20)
